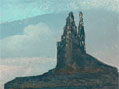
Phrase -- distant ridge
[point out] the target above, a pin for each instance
(75, 68)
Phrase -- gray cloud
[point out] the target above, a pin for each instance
(37, 40)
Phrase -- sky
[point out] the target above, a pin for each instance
(20, 9)
(29, 31)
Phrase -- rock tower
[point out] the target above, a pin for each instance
(75, 68)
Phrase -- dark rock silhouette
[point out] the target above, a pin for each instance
(75, 68)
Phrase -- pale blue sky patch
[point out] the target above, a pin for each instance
(20, 9)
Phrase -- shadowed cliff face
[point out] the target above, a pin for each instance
(75, 68)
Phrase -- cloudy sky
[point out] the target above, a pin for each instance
(29, 30)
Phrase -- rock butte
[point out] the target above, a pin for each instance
(75, 68)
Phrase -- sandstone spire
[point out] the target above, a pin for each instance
(72, 43)
(81, 33)
(64, 47)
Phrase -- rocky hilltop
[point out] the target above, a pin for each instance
(75, 68)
